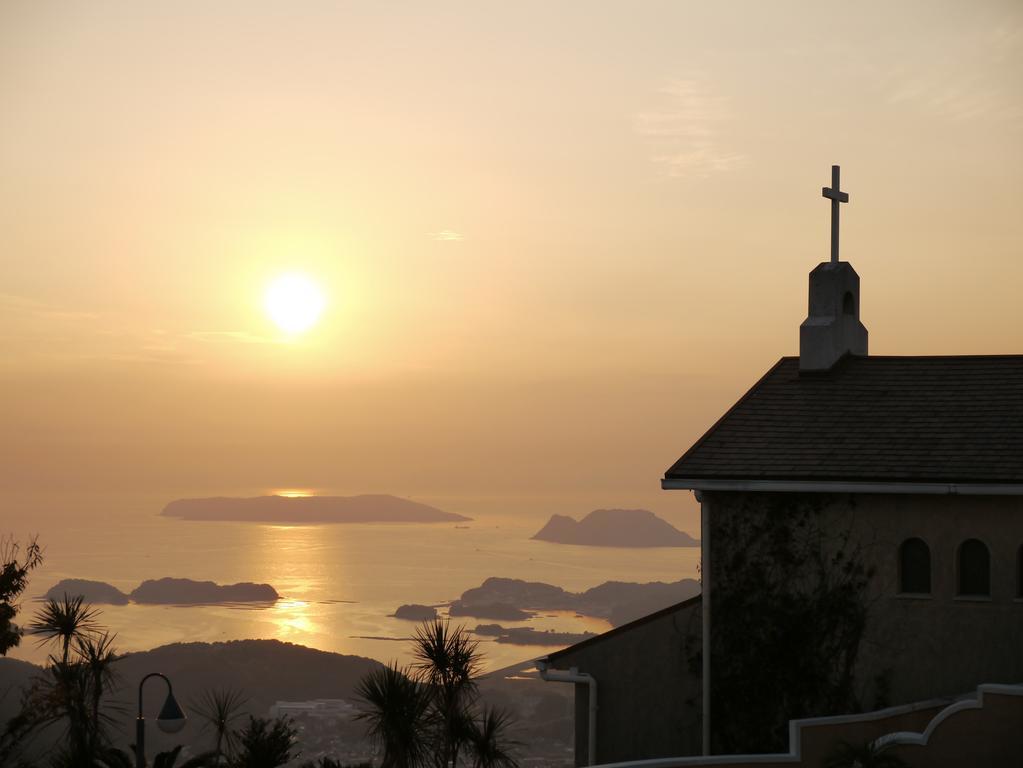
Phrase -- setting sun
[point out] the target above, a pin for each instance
(294, 302)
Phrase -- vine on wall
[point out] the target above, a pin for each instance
(788, 613)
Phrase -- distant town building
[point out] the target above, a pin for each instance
(321, 708)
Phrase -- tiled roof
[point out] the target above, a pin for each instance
(872, 419)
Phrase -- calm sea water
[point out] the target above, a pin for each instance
(339, 583)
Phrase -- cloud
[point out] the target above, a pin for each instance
(684, 131)
(972, 80)
(25, 306)
(34, 330)
(241, 337)
(447, 234)
(700, 162)
(960, 99)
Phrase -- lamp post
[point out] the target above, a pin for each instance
(170, 720)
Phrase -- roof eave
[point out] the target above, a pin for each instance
(841, 486)
(553, 656)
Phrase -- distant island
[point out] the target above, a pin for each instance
(378, 508)
(618, 602)
(615, 528)
(530, 636)
(170, 591)
(90, 591)
(498, 611)
(415, 612)
(166, 591)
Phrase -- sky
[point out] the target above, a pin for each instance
(556, 240)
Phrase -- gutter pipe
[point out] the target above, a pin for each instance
(705, 566)
(575, 676)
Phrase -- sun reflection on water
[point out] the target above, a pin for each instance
(293, 493)
(293, 621)
(295, 559)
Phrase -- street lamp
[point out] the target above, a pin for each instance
(170, 720)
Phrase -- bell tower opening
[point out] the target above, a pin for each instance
(848, 304)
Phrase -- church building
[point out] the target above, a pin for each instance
(862, 551)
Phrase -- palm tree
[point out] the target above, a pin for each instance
(489, 742)
(426, 712)
(396, 707)
(96, 656)
(449, 662)
(218, 709)
(75, 683)
(64, 620)
(65, 697)
(265, 743)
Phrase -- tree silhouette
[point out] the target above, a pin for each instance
(448, 661)
(426, 713)
(71, 690)
(64, 620)
(489, 742)
(218, 709)
(396, 707)
(265, 743)
(14, 572)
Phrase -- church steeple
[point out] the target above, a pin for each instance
(832, 327)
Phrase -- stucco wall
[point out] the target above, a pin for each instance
(977, 737)
(819, 740)
(936, 646)
(648, 702)
(971, 735)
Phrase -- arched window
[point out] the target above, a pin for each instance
(848, 304)
(974, 568)
(914, 567)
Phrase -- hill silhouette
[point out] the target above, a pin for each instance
(369, 508)
(615, 528)
(264, 671)
(15, 675)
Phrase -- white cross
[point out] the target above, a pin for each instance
(836, 196)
